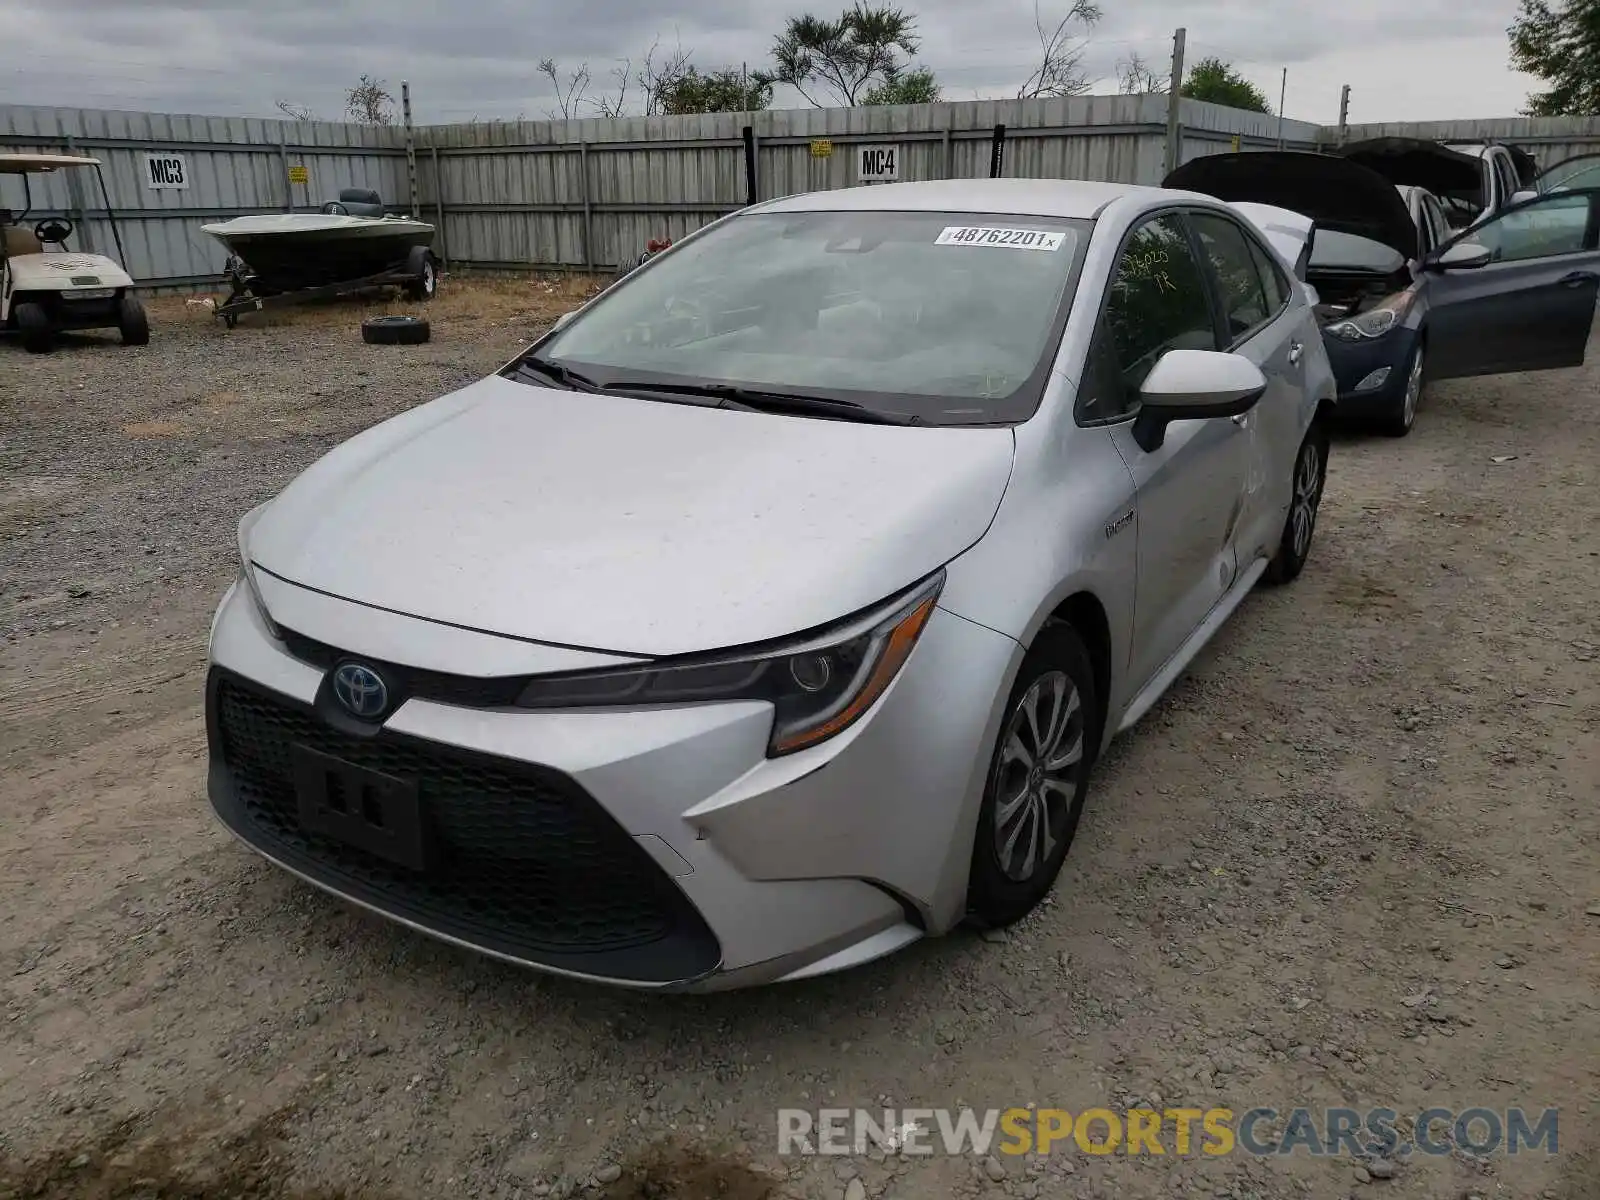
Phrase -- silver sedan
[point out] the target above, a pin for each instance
(770, 612)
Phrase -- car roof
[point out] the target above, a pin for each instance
(1071, 198)
(27, 164)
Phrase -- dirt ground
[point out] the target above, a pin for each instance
(1353, 859)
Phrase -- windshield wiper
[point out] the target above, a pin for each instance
(564, 376)
(759, 400)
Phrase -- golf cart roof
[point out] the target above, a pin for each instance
(18, 163)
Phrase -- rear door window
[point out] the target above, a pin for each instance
(1244, 298)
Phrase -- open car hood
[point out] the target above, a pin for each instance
(1414, 162)
(1335, 193)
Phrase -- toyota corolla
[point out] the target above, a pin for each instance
(770, 612)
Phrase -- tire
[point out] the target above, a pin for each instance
(425, 271)
(33, 322)
(1006, 884)
(132, 323)
(395, 331)
(1305, 499)
(1405, 416)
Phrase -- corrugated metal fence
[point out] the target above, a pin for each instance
(590, 193)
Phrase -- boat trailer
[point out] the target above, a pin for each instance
(418, 277)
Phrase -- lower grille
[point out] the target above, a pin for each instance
(523, 861)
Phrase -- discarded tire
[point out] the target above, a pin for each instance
(394, 331)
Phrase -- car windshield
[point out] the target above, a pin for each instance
(942, 317)
(1583, 172)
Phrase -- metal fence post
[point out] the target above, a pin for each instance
(438, 206)
(283, 170)
(588, 208)
(752, 179)
(997, 152)
(949, 161)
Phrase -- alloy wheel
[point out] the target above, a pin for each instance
(1038, 774)
(1408, 411)
(1307, 497)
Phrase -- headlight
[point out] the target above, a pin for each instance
(1376, 321)
(247, 571)
(817, 687)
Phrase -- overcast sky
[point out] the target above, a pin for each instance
(1404, 59)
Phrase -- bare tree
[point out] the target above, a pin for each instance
(659, 78)
(569, 95)
(369, 102)
(295, 112)
(1135, 77)
(616, 105)
(1061, 48)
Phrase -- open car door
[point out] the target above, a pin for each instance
(1518, 292)
(1580, 172)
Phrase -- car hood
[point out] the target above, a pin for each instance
(639, 527)
(1415, 162)
(1336, 193)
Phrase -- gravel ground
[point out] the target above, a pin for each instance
(1350, 860)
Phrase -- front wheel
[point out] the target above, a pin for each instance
(34, 324)
(1038, 779)
(132, 323)
(1400, 422)
(1305, 500)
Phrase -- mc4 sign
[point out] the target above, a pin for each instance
(877, 164)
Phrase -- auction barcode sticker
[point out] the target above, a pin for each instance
(985, 235)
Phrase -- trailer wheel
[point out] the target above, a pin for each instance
(132, 323)
(33, 322)
(395, 331)
(424, 271)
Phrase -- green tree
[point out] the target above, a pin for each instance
(715, 91)
(1559, 43)
(916, 86)
(1214, 80)
(848, 56)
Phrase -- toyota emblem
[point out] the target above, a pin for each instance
(360, 690)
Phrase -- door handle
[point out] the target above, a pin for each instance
(1577, 279)
(1296, 349)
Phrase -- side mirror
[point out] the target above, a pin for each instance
(1193, 385)
(1463, 256)
(563, 319)
(1524, 196)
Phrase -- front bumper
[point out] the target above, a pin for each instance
(1354, 362)
(653, 847)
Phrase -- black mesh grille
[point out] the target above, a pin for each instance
(524, 862)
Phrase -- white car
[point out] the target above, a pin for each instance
(770, 613)
(46, 288)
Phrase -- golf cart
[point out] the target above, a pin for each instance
(46, 288)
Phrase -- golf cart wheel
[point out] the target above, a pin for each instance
(394, 331)
(33, 322)
(424, 271)
(132, 323)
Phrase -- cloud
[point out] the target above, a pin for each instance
(1421, 60)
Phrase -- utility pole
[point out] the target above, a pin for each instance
(1283, 95)
(411, 148)
(1174, 127)
(1344, 114)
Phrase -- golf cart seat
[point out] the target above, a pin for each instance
(361, 202)
(18, 240)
